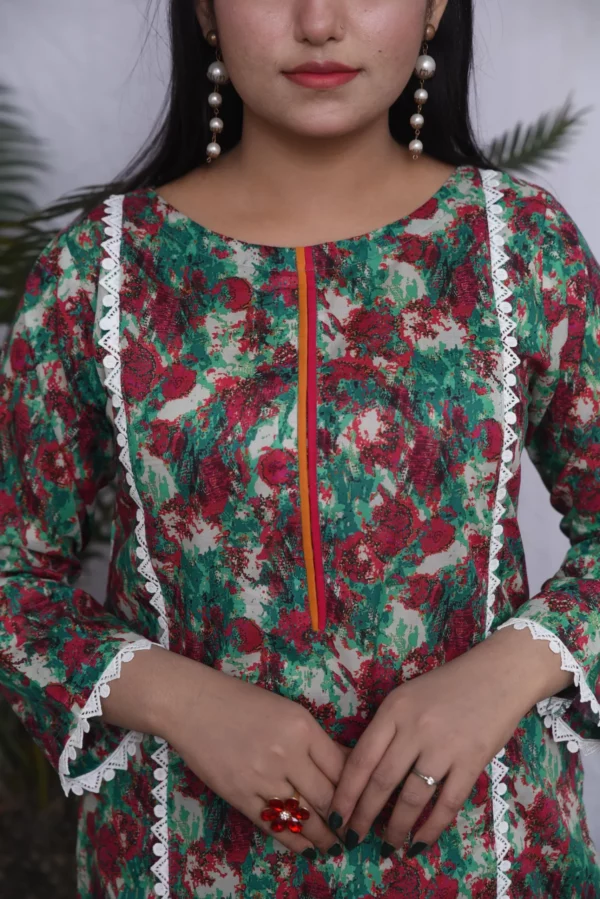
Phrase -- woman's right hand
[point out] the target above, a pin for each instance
(249, 744)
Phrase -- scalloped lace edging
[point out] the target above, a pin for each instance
(117, 760)
(510, 360)
(110, 281)
(553, 708)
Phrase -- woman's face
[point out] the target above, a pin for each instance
(262, 39)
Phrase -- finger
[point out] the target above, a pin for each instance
(316, 830)
(315, 786)
(413, 797)
(360, 764)
(455, 791)
(328, 755)
(388, 773)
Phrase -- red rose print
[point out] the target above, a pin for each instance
(404, 880)
(215, 484)
(178, 382)
(411, 248)
(108, 850)
(139, 367)
(295, 624)
(395, 522)
(59, 694)
(425, 592)
(543, 818)
(372, 327)
(491, 439)
(77, 653)
(131, 834)
(438, 536)
(275, 467)
(481, 790)
(21, 354)
(460, 630)
(240, 293)
(357, 560)
(464, 290)
(249, 635)
(54, 465)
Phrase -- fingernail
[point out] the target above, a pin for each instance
(387, 849)
(310, 854)
(336, 849)
(416, 848)
(335, 820)
(351, 839)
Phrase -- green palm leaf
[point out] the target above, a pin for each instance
(525, 149)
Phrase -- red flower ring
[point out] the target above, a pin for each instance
(284, 813)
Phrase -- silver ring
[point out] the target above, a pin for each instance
(426, 777)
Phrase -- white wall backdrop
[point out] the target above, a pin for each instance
(92, 86)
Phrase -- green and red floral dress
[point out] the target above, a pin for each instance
(317, 455)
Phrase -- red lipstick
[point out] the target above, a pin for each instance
(318, 74)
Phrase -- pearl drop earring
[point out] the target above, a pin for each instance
(217, 73)
(424, 69)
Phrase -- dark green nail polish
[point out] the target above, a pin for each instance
(336, 849)
(351, 839)
(335, 820)
(387, 849)
(310, 854)
(416, 848)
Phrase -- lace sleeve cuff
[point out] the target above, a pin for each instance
(553, 708)
(119, 758)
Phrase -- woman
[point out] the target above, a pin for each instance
(313, 366)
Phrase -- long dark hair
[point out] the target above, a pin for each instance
(178, 143)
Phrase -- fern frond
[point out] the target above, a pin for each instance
(529, 148)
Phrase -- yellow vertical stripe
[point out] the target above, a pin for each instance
(302, 440)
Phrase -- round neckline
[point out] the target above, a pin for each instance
(373, 234)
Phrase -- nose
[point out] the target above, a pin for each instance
(319, 21)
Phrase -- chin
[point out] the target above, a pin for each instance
(326, 129)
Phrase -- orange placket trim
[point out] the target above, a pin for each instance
(307, 543)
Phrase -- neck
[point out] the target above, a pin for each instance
(276, 166)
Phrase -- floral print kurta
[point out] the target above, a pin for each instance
(317, 456)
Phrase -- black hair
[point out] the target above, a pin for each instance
(178, 143)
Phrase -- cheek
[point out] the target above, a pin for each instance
(391, 35)
(255, 31)
(256, 44)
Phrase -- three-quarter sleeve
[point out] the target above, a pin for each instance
(563, 442)
(59, 647)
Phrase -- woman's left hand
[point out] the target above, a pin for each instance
(450, 723)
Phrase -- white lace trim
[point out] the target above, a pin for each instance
(117, 760)
(510, 360)
(552, 708)
(110, 341)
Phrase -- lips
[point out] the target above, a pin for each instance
(326, 74)
(320, 68)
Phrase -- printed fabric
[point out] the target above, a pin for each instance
(317, 458)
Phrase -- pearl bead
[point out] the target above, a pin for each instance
(217, 72)
(215, 99)
(425, 67)
(213, 150)
(212, 38)
(430, 32)
(416, 146)
(421, 96)
(417, 120)
(216, 124)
